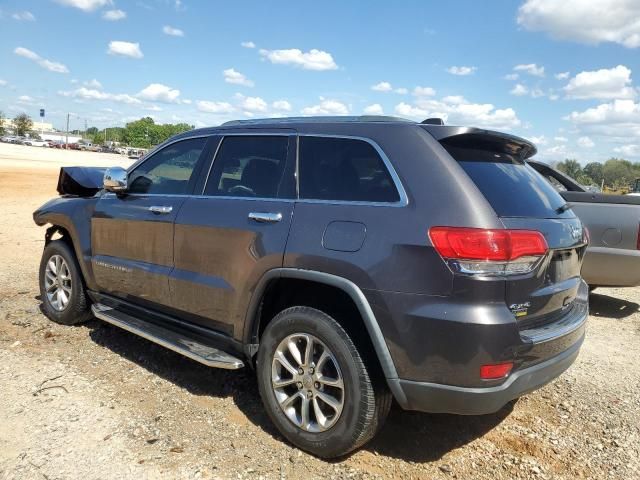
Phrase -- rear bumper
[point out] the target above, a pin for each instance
(437, 398)
(614, 267)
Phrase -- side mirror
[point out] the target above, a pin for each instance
(115, 180)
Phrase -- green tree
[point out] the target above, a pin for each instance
(1, 122)
(595, 171)
(571, 168)
(22, 124)
(618, 173)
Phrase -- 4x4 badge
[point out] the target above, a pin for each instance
(520, 309)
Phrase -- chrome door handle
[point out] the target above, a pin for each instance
(265, 217)
(160, 209)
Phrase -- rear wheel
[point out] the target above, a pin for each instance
(315, 385)
(62, 289)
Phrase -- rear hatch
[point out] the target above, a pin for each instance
(523, 200)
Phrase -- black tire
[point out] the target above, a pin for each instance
(77, 309)
(366, 397)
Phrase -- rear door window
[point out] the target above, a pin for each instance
(249, 166)
(513, 188)
(343, 169)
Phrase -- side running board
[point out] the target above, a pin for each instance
(176, 341)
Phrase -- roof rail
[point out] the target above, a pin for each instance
(319, 119)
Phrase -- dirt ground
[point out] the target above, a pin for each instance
(95, 402)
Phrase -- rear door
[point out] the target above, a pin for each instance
(132, 233)
(524, 200)
(227, 238)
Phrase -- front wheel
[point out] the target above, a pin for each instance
(62, 289)
(315, 385)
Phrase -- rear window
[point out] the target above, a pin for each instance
(513, 188)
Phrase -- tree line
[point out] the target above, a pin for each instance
(615, 174)
(143, 133)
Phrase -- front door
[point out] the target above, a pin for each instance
(226, 239)
(132, 233)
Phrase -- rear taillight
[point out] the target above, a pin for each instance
(489, 251)
(495, 371)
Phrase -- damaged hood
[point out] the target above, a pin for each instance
(80, 181)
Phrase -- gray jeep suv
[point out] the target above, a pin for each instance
(349, 261)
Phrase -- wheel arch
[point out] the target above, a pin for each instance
(253, 324)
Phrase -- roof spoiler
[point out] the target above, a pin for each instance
(472, 137)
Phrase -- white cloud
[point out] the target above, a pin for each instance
(538, 141)
(512, 76)
(583, 21)
(214, 107)
(462, 70)
(631, 150)
(562, 75)
(3, 83)
(619, 119)
(457, 110)
(531, 69)
(84, 93)
(152, 108)
(157, 92)
(43, 62)
(401, 91)
(25, 100)
(585, 142)
(171, 31)
(85, 5)
(93, 84)
(424, 92)
(375, 109)
(248, 44)
(125, 49)
(24, 16)
(114, 15)
(382, 87)
(603, 84)
(252, 104)
(519, 90)
(233, 76)
(561, 139)
(281, 105)
(327, 107)
(312, 60)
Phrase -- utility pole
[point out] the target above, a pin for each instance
(66, 143)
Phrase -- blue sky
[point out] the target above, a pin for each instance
(560, 73)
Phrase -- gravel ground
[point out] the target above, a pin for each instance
(95, 402)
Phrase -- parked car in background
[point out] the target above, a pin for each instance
(635, 188)
(36, 143)
(613, 222)
(348, 260)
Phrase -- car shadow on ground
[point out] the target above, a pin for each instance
(611, 307)
(410, 436)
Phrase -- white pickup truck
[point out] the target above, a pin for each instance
(613, 221)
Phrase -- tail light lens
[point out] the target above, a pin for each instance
(495, 371)
(489, 251)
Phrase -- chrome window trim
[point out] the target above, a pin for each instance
(402, 202)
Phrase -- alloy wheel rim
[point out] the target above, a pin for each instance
(57, 282)
(307, 382)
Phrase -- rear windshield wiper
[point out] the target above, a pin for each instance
(563, 208)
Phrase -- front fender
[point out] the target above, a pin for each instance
(73, 215)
